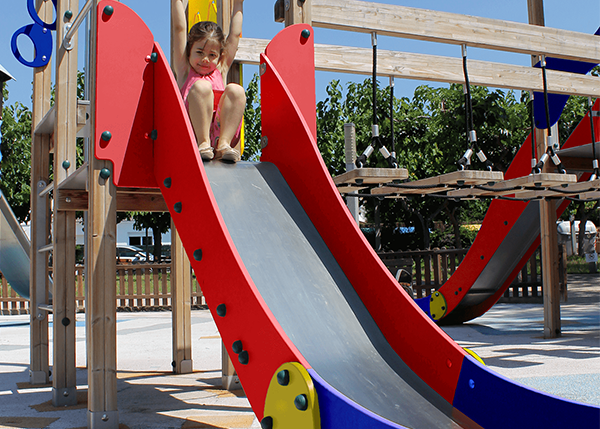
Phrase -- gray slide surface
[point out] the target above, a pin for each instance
(312, 299)
(14, 250)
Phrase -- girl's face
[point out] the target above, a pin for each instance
(204, 56)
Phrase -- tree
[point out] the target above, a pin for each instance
(159, 223)
(15, 166)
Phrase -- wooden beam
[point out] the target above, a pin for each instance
(422, 24)
(297, 12)
(343, 59)
(127, 201)
(577, 164)
(40, 220)
(101, 231)
(181, 295)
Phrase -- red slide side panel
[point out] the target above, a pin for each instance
(124, 81)
(216, 262)
(218, 267)
(433, 356)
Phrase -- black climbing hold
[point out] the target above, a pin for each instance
(283, 377)
(243, 357)
(66, 321)
(237, 347)
(154, 134)
(198, 254)
(301, 402)
(167, 182)
(106, 136)
(221, 310)
(305, 33)
(154, 57)
(66, 164)
(68, 14)
(267, 423)
(105, 173)
(177, 207)
(109, 10)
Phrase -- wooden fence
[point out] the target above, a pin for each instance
(139, 286)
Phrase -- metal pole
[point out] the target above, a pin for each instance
(350, 145)
(72, 28)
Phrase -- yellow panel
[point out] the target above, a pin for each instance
(291, 401)
(201, 10)
(437, 305)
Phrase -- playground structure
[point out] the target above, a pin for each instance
(263, 343)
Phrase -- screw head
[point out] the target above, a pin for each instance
(108, 10)
(283, 377)
(301, 402)
(105, 173)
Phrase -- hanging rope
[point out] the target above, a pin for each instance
(375, 140)
(550, 153)
(596, 173)
(532, 119)
(471, 134)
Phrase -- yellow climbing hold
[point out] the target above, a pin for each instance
(291, 401)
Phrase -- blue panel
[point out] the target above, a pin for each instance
(489, 399)
(339, 412)
(42, 41)
(423, 303)
(556, 102)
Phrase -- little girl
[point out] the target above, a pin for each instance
(201, 60)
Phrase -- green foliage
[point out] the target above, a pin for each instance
(159, 223)
(252, 128)
(15, 166)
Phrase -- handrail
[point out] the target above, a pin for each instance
(72, 28)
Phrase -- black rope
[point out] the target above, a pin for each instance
(546, 102)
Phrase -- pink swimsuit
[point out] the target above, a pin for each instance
(216, 81)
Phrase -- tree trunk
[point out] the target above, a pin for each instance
(157, 245)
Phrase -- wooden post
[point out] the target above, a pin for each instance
(297, 12)
(40, 220)
(181, 291)
(65, 153)
(548, 233)
(101, 329)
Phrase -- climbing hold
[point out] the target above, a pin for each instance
(66, 164)
(293, 405)
(267, 423)
(177, 207)
(105, 173)
(243, 357)
(305, 33)
(108, 10)
(221, 310)
(301, 402)
(167, 182)
(197, 254)
(437, 306)
(237, 347)
(106, 136)
(283, 377)
(68, 14)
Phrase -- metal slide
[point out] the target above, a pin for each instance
(14, 250)
(313, 321)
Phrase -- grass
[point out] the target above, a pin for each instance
(578, 265)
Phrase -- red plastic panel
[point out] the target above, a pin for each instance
(124, 81)
(292, 69)
(218, 267)
(292, 148)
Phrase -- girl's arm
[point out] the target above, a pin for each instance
(235, 32)
(179, 60)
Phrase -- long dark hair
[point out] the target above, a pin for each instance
(204, 30)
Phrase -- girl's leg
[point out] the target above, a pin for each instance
(200, 101)
(232, 105)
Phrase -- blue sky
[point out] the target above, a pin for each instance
(577, 15)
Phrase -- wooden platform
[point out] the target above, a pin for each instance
(357, 179)
(442, 183)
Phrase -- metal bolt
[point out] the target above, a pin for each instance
(68, 14)
(177, 207)
(167, 182)
(68, 199)
(198, 254)
(106, 136)
(301, 402)
(283, 377)
(105, 173)
(66, 393)
(109, 10)
(264, 141)
(44, 57)
(305, 33)
(263, 69)
(221, 310)
(237, 347)
(105, 416)
(66, 164)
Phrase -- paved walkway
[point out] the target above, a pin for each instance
(508, 338)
